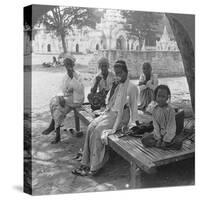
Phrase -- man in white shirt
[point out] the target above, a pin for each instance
(71, 95)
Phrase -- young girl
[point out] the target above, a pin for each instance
(163, 120)
(94, 152)
(147, 83)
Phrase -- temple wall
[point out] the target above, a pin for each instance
(164, 63)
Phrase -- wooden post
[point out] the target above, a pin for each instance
(77, 120)
(135, 175)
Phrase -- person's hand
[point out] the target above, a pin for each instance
(70, 74)
(61, 101)
(113, 131)
(158, 143)
(116, 81)
(163, 144)
(104, 92)
(142, 83)
(70, 90)
(105, 134)
(98, 79)
(148, 83)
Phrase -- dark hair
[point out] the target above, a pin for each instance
(147, 64)
(162, 87)
(69, 61)
(122, 64)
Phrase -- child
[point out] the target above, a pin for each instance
(147, 83)
(163, 120)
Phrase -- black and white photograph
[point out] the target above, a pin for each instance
(109, 99)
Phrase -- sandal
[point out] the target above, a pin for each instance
(71, 130)
(78, 156)
(81, 171)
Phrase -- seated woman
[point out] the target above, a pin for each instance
(147, 83)
(101, 85)
(94, 152)
(164, 122)
(72, 95)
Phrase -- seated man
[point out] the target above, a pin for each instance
(72, 95)
(101, 85)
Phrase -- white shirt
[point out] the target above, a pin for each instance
(76, 84)
(119, 97)
(152, 83)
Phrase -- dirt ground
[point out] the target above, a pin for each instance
(52, 164)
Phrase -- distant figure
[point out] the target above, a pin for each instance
(72, 95)
(101, 85)
(147, 83)
(54, 63)
(164, 122)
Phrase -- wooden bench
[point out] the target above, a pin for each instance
(132, 150)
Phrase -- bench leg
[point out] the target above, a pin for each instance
(135, 176)
(77, 121)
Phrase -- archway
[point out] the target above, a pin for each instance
(103, 42)
(132, 46)
(48, 48)
(77, 48)
(128, 46)
(121, 43)
(97, 47)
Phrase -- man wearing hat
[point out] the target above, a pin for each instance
(102, 83)
(71, 95)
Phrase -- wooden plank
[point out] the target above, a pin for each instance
(164, 156)
(146, 152)
(175, 157)
(130, 153)
(133, 151)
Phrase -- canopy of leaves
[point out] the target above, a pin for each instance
(62, 20)
(142, 24)
(31, 15)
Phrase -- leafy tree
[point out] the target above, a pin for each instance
(62, 20)
(144, 25)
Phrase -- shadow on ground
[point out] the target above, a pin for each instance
(52, 165)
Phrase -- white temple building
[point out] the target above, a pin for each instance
(109, 34)
(45, 41)
(165, 43)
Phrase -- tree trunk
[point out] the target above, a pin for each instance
(63, 42)
(187, 52)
